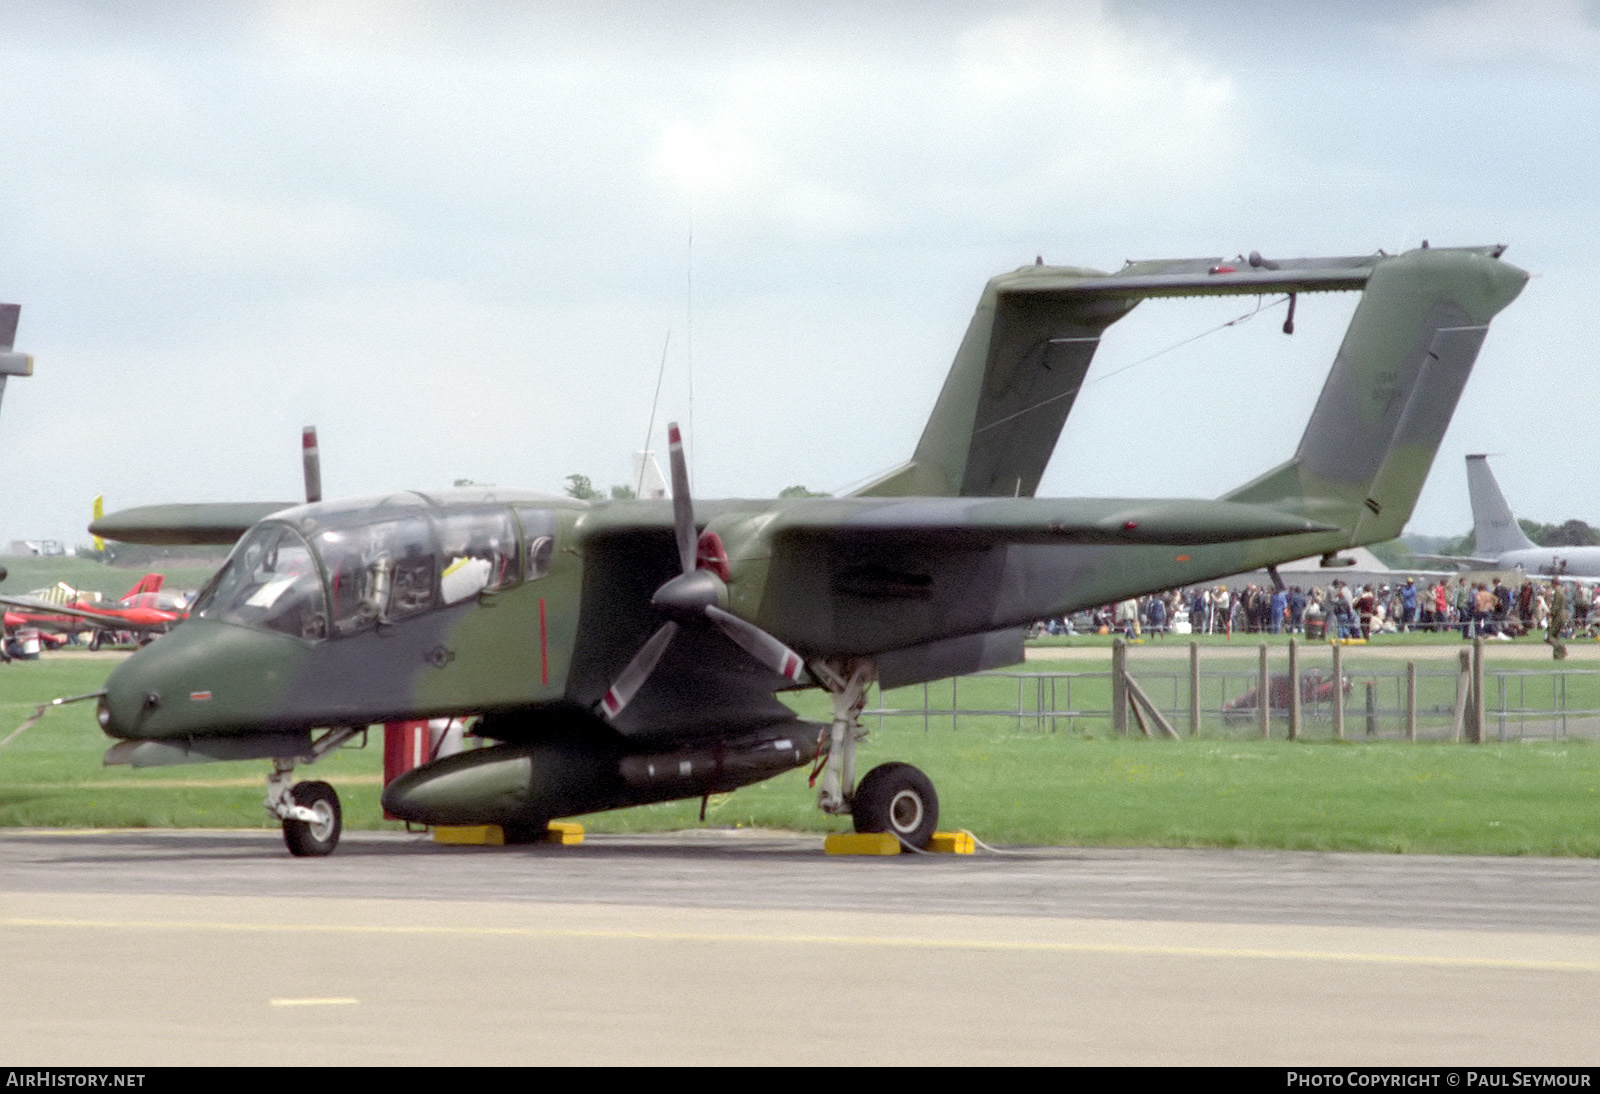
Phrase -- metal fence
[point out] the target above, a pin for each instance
(1390, 703)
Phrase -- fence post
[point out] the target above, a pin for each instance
(1264, 695)
(1411, 701)
(1194, 689)
(1463, 695)
(1119, 687)
(1475, 723)
(1372, 708)
(1294, 689)
(1338, 691)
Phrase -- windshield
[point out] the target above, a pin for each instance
(269, 581)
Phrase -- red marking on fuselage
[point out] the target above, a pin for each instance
(544, 648)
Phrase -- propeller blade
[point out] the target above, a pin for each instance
(759, 644)
(638, 671)
(312, 458)
(682, 503)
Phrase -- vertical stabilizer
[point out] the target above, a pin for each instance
(1010, 389)
(1493, 526)
(1393, 387)
(11, 362)
(149, 583)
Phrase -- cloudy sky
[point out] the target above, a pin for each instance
(458, 236)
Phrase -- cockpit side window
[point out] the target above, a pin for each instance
(479, 551)
(269, 581)
(378, 572)
(539, 533)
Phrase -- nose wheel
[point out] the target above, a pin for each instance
(309, 811)
(319, 834)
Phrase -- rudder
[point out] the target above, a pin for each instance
(1389, 397)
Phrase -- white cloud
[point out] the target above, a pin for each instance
(988, 127)
(1501, 30)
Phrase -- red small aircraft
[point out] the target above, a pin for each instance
(143, 610)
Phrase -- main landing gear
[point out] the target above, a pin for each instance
(312, 819)
(893, 797)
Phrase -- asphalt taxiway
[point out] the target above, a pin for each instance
(128, 948)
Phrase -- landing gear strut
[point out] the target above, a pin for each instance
(310, 812)
(894, 797)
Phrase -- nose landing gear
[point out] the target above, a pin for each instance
(320, 835)
(310, 812)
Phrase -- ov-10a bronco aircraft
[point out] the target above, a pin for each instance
(625, 652)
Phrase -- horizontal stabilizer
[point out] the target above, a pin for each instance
(168, 525)
(1205, 277)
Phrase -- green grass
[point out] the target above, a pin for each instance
(1037, 787)
(26, 573)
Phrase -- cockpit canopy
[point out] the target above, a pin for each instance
(344, 572)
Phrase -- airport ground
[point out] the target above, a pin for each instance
(185, 947)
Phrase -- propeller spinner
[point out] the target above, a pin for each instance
(695, 594)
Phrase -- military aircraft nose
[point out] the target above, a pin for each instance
(204, 677)
(121, 709)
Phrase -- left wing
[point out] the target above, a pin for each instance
(214, 523)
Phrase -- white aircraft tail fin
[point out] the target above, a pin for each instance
(647, 473)
(1495, 529)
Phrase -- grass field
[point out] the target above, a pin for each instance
(1033, 786)
(25, 573)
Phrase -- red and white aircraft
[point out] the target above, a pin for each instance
(144, 610)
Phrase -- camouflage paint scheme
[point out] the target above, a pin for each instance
(934, 569)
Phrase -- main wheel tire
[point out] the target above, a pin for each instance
(897, 798)
(318, 837)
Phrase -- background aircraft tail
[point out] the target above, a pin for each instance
(149, 583)
(1391, 392)
(1493, 526)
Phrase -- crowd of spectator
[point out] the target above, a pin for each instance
(1492, 608)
